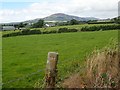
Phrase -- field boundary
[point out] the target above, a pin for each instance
(63, 30)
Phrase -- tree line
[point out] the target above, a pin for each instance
(63, 30)
(41, 23)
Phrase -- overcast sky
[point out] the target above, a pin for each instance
(20, 10)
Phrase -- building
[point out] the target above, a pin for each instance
(4, 28)
(50, 25)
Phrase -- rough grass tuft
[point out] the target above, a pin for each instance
(102, 70)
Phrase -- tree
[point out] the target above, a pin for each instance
(21, 25)
(16, 26)
(117, 20)
(74, 22)
(39, 24)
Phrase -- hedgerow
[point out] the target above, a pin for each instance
(102, 27)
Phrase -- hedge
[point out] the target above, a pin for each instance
(23, 32)
(102, 27)
(61, 30)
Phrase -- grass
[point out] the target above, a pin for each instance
(23, 55)
(0, 59)
(101, 70)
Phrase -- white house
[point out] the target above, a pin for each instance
(49, 25)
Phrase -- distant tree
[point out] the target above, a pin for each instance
(92, 21)
(74, 22)
(117, 20)
(21, 25)
(16, 26)
(39, 24)
(62, 23)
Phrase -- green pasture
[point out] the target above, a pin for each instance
(57, 27)
(23, 55)
(0, 59)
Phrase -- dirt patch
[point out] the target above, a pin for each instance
(75, 81)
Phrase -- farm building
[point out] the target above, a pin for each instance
(1, 27)
(8, 28)
(49, 25)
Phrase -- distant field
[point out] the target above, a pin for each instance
(57, 27)
(23, 55)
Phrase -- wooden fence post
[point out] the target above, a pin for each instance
(51, 69)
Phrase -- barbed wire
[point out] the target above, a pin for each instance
(21, 78)
(68, 59)
(31, 74)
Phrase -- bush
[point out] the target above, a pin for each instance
(29, 32)
(35, 32)
(24, 32)
(38, 24)
(72, 30)
(45, 32)
(12, 34)
(62, 30)
(53, 31)
(66, 30)
(97, 28)
(49, 31)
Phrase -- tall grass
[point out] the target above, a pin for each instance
(103, 68)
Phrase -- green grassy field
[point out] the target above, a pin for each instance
(23, 55)
(57, 27)
(0, 59)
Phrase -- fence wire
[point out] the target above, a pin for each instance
(29, 75)
(21, 78)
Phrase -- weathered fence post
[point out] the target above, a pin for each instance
(51, 69)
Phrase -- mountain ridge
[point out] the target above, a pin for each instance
(66, 17)
(59, 17)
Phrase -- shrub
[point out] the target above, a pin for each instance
(72, 30)
(66, 30)
(45, 32)
(62, 30)
(5, 35)
(97, 28)
(35, 32)
(25, 32)
(12, 34)
(29, 32)
(53, 31)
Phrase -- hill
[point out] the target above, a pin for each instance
(65, 17)
(61, 17)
